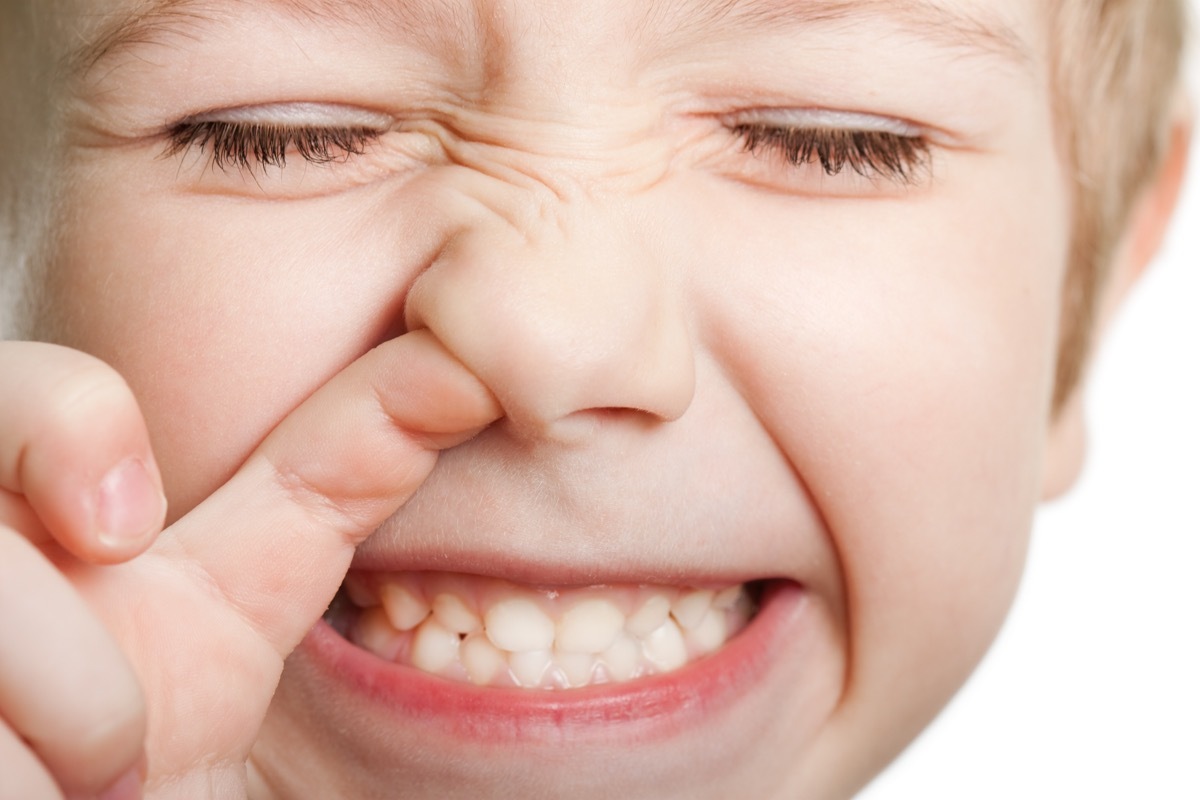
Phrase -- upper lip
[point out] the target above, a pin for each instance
(567, 521)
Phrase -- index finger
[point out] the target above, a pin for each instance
(277, 539)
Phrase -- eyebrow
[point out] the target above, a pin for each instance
(969, 32)
(972, 32)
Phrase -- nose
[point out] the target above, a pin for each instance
(575, 314)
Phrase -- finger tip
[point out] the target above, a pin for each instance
(130, 507)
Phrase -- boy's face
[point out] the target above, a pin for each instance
(718, 366)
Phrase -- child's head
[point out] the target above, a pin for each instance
(768, 290)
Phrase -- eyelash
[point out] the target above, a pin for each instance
(870, 154)
(250, 146)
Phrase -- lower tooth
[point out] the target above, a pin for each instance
(434, 647)
(622, 659)
(665, 647)
(529, 667)
(576, 667)
(482, 661)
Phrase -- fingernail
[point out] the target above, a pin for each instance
(129, 504)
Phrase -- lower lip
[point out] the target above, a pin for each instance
(655, 707)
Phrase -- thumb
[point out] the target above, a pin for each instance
(277, 539)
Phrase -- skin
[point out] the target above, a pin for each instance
(564, 267)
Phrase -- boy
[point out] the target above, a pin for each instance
(749, 335)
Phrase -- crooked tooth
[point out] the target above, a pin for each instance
(376, 633)
(710, 633)
(434, 647)
(482, 661)
(519, 626)
(569, 639)
(404, 608)
(622, 658)
(652, 614)
(529, 667)
(453, 613)
(665, 647)
(689, 608)
(590, 626)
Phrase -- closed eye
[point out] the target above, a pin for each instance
(254, 146)
(869, 153)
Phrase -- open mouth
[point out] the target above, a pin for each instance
(491, 632)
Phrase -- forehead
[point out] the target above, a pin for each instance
(1005, 31)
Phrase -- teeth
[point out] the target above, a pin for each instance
(404, 608)
(710, 633)
(646, 619)
(434, 647)
(483, 662)
(492, 633)
(519, 626)
(577, 668)
(727, 598)
(377, 634)
(622, 658)
(590, 627)
(529, 667)
(452, 612)
(688, 609)
(665, 648)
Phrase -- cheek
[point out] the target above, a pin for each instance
(221, 317)
(902, 355)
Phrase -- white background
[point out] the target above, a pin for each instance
(1093, 689)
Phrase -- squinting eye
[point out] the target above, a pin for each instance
(255, 146)
(869, 153)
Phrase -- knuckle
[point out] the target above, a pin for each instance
(90, 388)
(320, 503)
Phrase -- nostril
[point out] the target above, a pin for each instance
(569, 336)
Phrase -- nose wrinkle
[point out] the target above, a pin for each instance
(562, 319)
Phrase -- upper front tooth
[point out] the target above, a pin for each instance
(404, 609)
(589, 627)
(452, 611)
(518, 625)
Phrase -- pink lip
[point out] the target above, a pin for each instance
(650, 708)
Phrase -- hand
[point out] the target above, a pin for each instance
(113, 639)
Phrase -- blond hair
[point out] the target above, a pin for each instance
(1117, 70)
